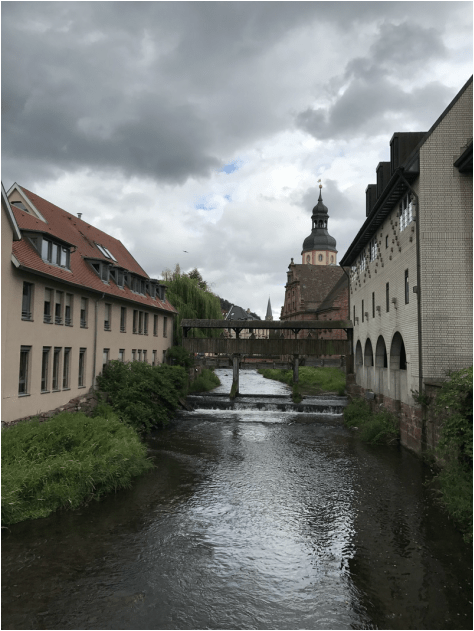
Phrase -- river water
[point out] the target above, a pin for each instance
(255, 517)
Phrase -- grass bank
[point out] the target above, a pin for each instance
(311, 380)
(373, 427)
(65, 462)
(206, 381)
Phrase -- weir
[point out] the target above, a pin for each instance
(306, 341)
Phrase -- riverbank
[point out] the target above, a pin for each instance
(65, 462)
(312, 381)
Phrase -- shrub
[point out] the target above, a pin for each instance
(65, 462)
(142, 395)
(378, 427)
(179, 356)
(206, 381)
(454, 449)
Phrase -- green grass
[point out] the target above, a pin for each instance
(65, 462)
(206, 381)
(311, 380)
(373, 427)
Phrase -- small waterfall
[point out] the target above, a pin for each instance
(323, 404)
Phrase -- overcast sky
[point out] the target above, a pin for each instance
(205, 126)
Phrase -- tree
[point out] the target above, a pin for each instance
(193, 300)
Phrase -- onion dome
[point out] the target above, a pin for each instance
(319, 239)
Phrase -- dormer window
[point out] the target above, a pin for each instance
(118, 276)
(406, 212)
(55, 253)
(102, 269)
(106, 252)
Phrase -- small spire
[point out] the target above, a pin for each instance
(269, 315)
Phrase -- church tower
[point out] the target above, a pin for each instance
(319, 248)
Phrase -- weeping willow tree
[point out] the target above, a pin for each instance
(192, 302)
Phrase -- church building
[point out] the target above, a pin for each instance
(317, 289)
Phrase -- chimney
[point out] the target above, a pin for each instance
(79, 215)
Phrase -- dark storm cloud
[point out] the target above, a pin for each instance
(371, 86)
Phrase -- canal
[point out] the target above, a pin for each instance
(255, 517)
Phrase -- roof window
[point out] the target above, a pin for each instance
(19, 205)
(106, 252)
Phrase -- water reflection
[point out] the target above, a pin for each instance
(254, 520)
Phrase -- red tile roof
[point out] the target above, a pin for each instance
(69, 228)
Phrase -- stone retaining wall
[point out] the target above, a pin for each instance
(419, 425)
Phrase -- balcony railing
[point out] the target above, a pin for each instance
(47, 318)
(106, 325)
(26, 315)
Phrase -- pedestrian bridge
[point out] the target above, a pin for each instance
(277, 344)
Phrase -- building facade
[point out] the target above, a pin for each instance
(317, 289)
(411, 268)
(73, 298)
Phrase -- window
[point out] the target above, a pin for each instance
(165, 326)
(55, 253)
(362, 311)
(362, 262)
(23, 379)
(47, 306)
(58, 308)
(68, 309)
(107, 316)
(134, 353)
(320, 257)
(155, 325)
(106, 252)
(373, 249)
(386, 241)
(135, 321)
(27, 301)
(387, 298)
(145, 323)
(373, 304)
(354, 319)
(82, 367)
(67, 357)
(45, 369)
(407, 288)
(144, 356)
(56, 368)
(121, 354)
(139, 354)
(123, 319)
(140, 322)
(153, 361)
(406, 212)
(105, 357)
(84, 313)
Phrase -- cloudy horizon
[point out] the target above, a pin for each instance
(196, 132)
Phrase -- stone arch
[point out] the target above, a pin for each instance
(368, 353)
(358, 354)
(381, 360)
(398, 357)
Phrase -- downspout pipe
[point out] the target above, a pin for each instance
(96, 320)
(350, 332)
(418, 281)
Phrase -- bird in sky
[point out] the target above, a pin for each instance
(186, 251)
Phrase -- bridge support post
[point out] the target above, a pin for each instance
(235, 376)
(296, 375)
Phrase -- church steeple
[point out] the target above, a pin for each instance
(319, 248)
(269, 315)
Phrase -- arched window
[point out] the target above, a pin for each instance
(320, 257)
(358, 357)
(332, 258)
(320, 224)
(398, 357)
(308, 258)
(368, 354)
(381, 353)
